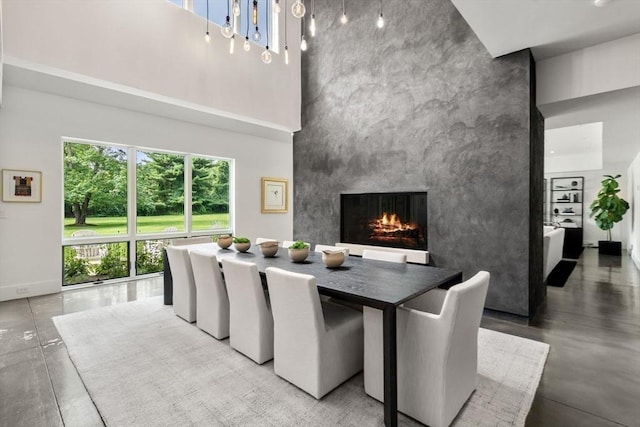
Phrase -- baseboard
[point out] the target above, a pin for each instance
(413, 256)
(25, 290)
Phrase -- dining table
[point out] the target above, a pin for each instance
(378, 284)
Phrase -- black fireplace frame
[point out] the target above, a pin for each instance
(425, 233)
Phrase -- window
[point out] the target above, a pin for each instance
(172, 194)
(159, 192)
(95, 186)
(209, 194)
(218, 15)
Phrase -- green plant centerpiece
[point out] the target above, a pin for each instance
(607, 209)
(242, 244)
(298, 251)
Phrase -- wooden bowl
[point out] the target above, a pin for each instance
(269, 249)
(332, 259)
(225, 241)
(298, 255)
(242, 247)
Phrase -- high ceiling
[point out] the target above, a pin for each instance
(555, 27)
(548, 27)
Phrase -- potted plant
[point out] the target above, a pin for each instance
(608, 209)
(298, 251)
(242, 244)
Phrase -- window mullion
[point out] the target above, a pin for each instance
(131, 208)
(187, 194)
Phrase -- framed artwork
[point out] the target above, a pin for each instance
(21, 186)
(274, 195)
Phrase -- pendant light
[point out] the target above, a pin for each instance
(207, 37)
(266, 55)
(276, 6)
(343, 18)
(226, 29)
(380, 21)
(312, 24)
(236, 8)
(286, 47)
(247, 44)
(256, 34)
(297, 9)
(232, 43)
(303, 42)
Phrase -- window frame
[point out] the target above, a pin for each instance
(132, 236)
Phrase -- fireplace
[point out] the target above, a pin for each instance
(397, 220)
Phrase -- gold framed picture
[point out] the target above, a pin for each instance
(21, 186)
(274, 195)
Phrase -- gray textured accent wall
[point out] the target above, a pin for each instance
(420, 106)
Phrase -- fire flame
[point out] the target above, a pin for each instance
(391, 223)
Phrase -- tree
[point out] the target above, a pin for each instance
(95, 180)
(160, 184)
(210, 186)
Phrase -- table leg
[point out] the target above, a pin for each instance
(168, 279)
(390, 367)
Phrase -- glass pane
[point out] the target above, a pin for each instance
(209, 194)
(246, 20)
(149, 256)
(95, 262)
(176, 2)
(159, 192)
(95, 190)
(218, 15)
(217, 11)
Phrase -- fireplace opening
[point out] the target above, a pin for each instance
(396, 220)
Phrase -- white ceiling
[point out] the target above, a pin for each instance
(555, 27)
(548, 27)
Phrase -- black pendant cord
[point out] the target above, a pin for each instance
(248, 19)
(268, 1)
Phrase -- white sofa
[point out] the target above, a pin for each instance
(552, 248)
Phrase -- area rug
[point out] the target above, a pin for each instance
(142, 365)
(561, 272)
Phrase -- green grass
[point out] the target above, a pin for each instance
(113, 226)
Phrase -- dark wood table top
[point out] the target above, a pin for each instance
(369, 282)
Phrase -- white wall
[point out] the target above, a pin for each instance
(31, 127)
(633, 244)
(154, 46)
(602, 68)
(592, 180)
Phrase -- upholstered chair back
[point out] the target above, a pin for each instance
(184, 288)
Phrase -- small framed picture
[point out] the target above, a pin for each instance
(274, 195)
(21, 186)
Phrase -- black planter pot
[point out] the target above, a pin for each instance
(606, 247)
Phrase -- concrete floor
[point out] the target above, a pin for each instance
(592, 376)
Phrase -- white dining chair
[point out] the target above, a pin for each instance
(320, 248)
(184, 288)
(260, 240)
(250, 320)
(317, 345)
(384, 256)
(212, 302)
(437, 351)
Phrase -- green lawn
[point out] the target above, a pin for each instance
(110, 226)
